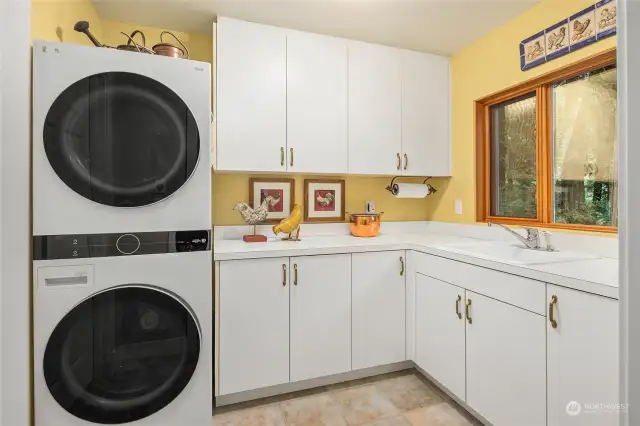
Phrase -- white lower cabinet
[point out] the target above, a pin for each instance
(320, 323)
(254, 324)
(506, 362)
(378, 320)
(582, 359)
(440, 332)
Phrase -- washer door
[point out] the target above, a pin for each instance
(121, 139)
(122, 355)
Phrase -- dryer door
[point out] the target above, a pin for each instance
(121, 139)
(122, 354)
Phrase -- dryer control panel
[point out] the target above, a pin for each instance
(47, 247)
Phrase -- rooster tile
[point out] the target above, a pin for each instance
(582, 28)
(606, 18)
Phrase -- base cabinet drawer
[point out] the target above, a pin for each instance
(582, 358)
(506, 362)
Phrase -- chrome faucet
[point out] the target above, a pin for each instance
(532, 240)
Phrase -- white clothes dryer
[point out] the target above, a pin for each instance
(121, 141)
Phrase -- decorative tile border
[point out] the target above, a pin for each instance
(590, 25)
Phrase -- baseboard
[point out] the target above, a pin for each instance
(311, 383)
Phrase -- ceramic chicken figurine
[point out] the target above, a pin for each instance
(290, 224)
(255, 216)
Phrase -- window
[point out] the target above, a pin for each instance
(547, 149)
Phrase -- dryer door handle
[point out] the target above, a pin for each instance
(58, 276)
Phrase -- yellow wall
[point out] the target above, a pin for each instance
(487, 66)
(53, 20)
(228, 189)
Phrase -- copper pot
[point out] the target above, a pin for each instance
(168, 49)
(365, 224)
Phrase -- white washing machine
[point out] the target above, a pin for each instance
(121, 141)
(124, 339)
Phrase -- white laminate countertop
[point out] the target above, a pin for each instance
(598, 275)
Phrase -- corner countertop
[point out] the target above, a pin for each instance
(597, 275)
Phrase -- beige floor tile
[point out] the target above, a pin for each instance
(393, 421)
(364, 404)
(317, 410)
(437, 415)
(408, 392)
(268, 415)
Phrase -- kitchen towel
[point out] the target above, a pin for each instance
(411, 190)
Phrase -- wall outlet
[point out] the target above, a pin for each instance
(458, 206)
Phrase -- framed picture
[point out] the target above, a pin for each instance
(324, 200)
(280, 189)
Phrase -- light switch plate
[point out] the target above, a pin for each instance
(458, 206)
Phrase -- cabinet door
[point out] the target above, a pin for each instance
(374, 109)
(254, 324)
(582, 358)
(440, 344)
(505, 363)
(251, 96)
(320, 316)
(316, 103)
(378, 319)
(426, 141)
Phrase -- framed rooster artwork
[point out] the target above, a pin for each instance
(281, 192)
(324, 200)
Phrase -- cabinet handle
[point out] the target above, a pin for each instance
(467, 311)
(291, 152)
(399, 161)
(554, 300)
(282, 156)
(295, 274)
(401, 266)
(406, 161)
(284, 275)
(458, 307)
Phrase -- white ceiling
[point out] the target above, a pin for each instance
(437, 26)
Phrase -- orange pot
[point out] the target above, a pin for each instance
(365, 224)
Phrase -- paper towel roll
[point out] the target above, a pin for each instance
(410, 190)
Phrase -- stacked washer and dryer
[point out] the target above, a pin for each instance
(122, 264)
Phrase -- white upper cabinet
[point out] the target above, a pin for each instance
(582, 357)
(316, 103)
(426, 143)
(374, 109)
(251, 62)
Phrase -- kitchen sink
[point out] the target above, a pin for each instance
(516, 254)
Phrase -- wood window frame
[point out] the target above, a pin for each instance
(541, 85)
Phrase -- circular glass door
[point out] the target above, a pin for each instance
(121, 139)
(121, 355)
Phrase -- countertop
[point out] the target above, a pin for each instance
(597, 275)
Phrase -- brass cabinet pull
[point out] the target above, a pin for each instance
(295, 274)
(554, 300)
(458, 307)
(401, 266)
(291, 152)
(406, 161)
(467, 311)
(284, 275)
(282, 156)
(399, 161)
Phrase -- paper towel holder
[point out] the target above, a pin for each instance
(390, 186)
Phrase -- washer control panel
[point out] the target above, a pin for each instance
(126, 244)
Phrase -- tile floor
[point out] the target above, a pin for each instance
(397, 399)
